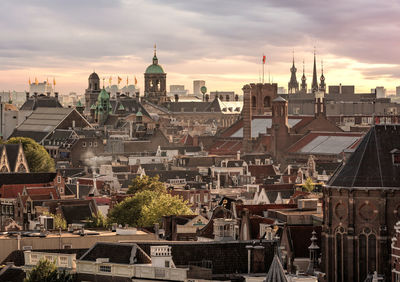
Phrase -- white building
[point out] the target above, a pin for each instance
(197, 84)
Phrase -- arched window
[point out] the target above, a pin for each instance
(227, 98)
(267, 101)
(366, 253)
(253, 101)
(339, 248)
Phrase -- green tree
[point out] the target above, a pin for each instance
(146, 208)
(146, 183)
(46, 271)
(309, 185)
(59, 221)
(98, 221)
(163, 205)
(36, 155)
(130, 210)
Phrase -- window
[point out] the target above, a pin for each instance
(90, 144)
(63, 261)
(58, 179)
(105, 268)
(340, 265)
(34, 259)
(395, 157)
(67, 246)
(166, 263)
(253, 101)
(95, 144)
(366, 253)
(83, 144)
(267, 101)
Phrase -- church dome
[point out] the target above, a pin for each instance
(94, 76)
(154, 69)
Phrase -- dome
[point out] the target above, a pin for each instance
(94, 76)
(154, 69)
(103, 95)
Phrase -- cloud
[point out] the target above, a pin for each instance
(117, 36)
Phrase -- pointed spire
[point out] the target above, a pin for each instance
(303, 80)
(314, 85)
(293, 85)
(276, 272)
(322, 85)
(155, 50)
(155, 59)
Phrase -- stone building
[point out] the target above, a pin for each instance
(93, 91)
(361, 208)
(155, 80)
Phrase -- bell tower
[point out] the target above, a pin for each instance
(155, 80)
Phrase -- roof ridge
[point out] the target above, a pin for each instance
(362, 157)
(378, 156)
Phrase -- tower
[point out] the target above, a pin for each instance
(103, 106)
(247, 117)
(280, 127)
(93, 90)
(293, 85)
(155, 80)
(322, 85)
(303, 81)
(314, 85)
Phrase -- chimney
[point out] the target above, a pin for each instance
(56, 95)
(27, 95)
(176, 98)
(238, 155)
(77, 189)
(207, 97)
(48, 94)
(35, 94)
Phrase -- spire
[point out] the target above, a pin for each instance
(293, 85)
(322, 85)
(303, 81)
(155, 60)
(314, 85)
(313, 249)
(276, 272)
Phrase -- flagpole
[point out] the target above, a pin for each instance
(263, 63)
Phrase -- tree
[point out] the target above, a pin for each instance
(163, 205)
(146, 183)
(97, 221)
(46, 271)
(146, 208)
(130, 210)
(309, 185)
(59, 221)
(36, 155)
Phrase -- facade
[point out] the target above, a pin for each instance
(155, 81)
(361, 208)
(197, 84)
(93, 91)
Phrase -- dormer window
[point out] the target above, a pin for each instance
(395, 157)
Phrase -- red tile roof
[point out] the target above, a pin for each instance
(12, 190)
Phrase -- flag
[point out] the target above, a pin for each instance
(135, 80)
(110, 80)
(119, 80)
(54, 81)
(36, 81)
(263, 59)
(29, 81)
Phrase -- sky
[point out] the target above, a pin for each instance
(219, 41)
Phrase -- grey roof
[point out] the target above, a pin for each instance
(260, 125)
(276, 272)
(329, 144)
(26, 178)
(121, 253)
(279, 99)
(371, 164)
(40, 102)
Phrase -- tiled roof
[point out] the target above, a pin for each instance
(117, 253)
(372, 163)
(27, 178)
(324, 143)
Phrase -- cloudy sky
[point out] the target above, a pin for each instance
(220, 41)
